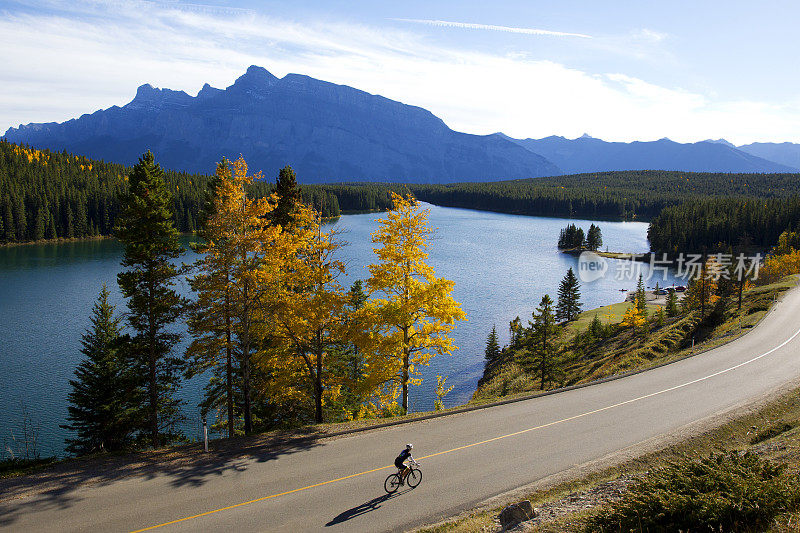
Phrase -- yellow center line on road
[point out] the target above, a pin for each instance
(555, 422)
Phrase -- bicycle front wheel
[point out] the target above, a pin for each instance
(392, 483)
(414, 477)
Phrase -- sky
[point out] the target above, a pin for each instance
(617, 70)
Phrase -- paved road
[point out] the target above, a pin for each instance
(337, 484)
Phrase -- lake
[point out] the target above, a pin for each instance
(501, 264)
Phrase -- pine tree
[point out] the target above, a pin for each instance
(596, 327)
(515, 333)
(702, 289)
(289, 197)
(492, 352)
(569, 297)
(541, 342)
(101, 401)
(594, 238)
(640, 298)
(418, 310)
(350, 364)
(672, 303)
(147, 230)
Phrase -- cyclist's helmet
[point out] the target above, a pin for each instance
(409, 446)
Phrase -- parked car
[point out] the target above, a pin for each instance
(680, 288)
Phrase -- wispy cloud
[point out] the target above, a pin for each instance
(492, 27)
(65, 62)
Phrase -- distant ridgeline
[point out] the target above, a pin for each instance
(48, 195)
(625, 195)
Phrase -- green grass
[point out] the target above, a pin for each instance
(585, 359)
(608, 314)
(720, 492)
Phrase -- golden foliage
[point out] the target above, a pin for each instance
(414, 311)
(31, 154)
(633, 318)
(776, 267)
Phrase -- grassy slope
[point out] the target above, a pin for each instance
(772, 431)
(625, 350)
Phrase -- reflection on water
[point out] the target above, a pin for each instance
(501, 264)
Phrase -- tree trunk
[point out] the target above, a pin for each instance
(543, 365)
(318, 380)
(228, 366)
(406, 363)
(741, 288)
(153, 385)
(248, 421)
(318, 397)
(153, 398)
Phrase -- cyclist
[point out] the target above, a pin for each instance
(399, 462)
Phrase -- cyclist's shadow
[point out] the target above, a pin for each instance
(365, 507)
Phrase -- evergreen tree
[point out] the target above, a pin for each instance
(352, 363)
(571, 237)
(596, 328)
(289, 197)
(594, 238)
(492, 352)
(569, 297)
(640, 298)
(660, 317)
(672, 303)
(515, 333)
(101, 402)
(541, 342)
(147, 230)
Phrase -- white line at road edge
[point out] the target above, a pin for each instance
(263, 498)
(608, 407)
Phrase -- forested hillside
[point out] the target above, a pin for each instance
(714, 224)
(626, 195)
(48, 195)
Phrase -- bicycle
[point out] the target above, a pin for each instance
(413, 479)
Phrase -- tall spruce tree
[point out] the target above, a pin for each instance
(569, 297)
(101, 400)
(672, 303)
(492, 352)
(640, 298)
(541, 342)
(594, 238)
(289, 198)
(146, 228)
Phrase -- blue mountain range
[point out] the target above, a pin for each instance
(333, 133)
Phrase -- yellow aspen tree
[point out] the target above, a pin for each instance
(211, 314)
(416, 311)
(238, 255)
(309, 308)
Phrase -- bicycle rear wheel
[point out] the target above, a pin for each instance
(392, 483)
(414, 477)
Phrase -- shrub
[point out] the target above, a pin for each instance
(723, 492)
(770, 432)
